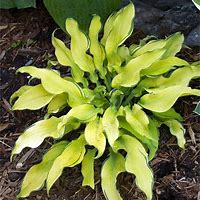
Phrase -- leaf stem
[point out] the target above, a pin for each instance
(129, 98)
(107, 82)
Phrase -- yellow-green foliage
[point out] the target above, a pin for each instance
(109, 91)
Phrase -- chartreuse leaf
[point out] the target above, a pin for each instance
(83, 113)
(80, 158)
(94, 135)
(137, 119)
(140, 126)
(51, 81)
(130, 74)
(70, 125)
(111, 124)
(169, 114)
(54, 84)
(133, 48)
(72, 155)
(151, 140)
(150, 46)
(197, 63)
(181, 76)
(19, 92)
(35, 135)
(36, 175)
(174, 44)
(108, 27)
(33, 98)
(121, 28)
(64, 56)
(124, 53)
(137, 162)
(57, 103)
(87, 168)
(153, 144)
(112, 167)
(95, 47)
(163, 66)
(79, 46)
(166, 98)
(125, 125)
(177, 130)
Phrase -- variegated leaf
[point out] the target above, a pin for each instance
(150, 46)
(153, 144)
(36, 175)
(72, 155)
(163, 100)
(137, 162)
(130, 74)
(57, 103)
(177, 130)
(79, 47)
(19, 92)
(174, 44)
(140, 126)
(137, 119)
(121, 28)
(180, 77)
(112, 167)
(64, 56)
(35, 135)
(95, 137)
(54, 84)
(87, 168)
(167, 115)
(111, 124)
(108, 27)
(83, 113)
(163, 66)
(123, 53)
(33, 98)
(95, 47)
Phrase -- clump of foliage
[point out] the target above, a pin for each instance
(117, 97)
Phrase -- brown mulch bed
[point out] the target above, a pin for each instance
(25, 40)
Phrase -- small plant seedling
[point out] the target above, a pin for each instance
(16, 44)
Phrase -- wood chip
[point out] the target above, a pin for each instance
(3, 27)
(192, 134)
(4, 126)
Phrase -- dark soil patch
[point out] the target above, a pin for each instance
(25, 40)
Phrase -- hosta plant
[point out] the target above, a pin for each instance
(115, 100)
